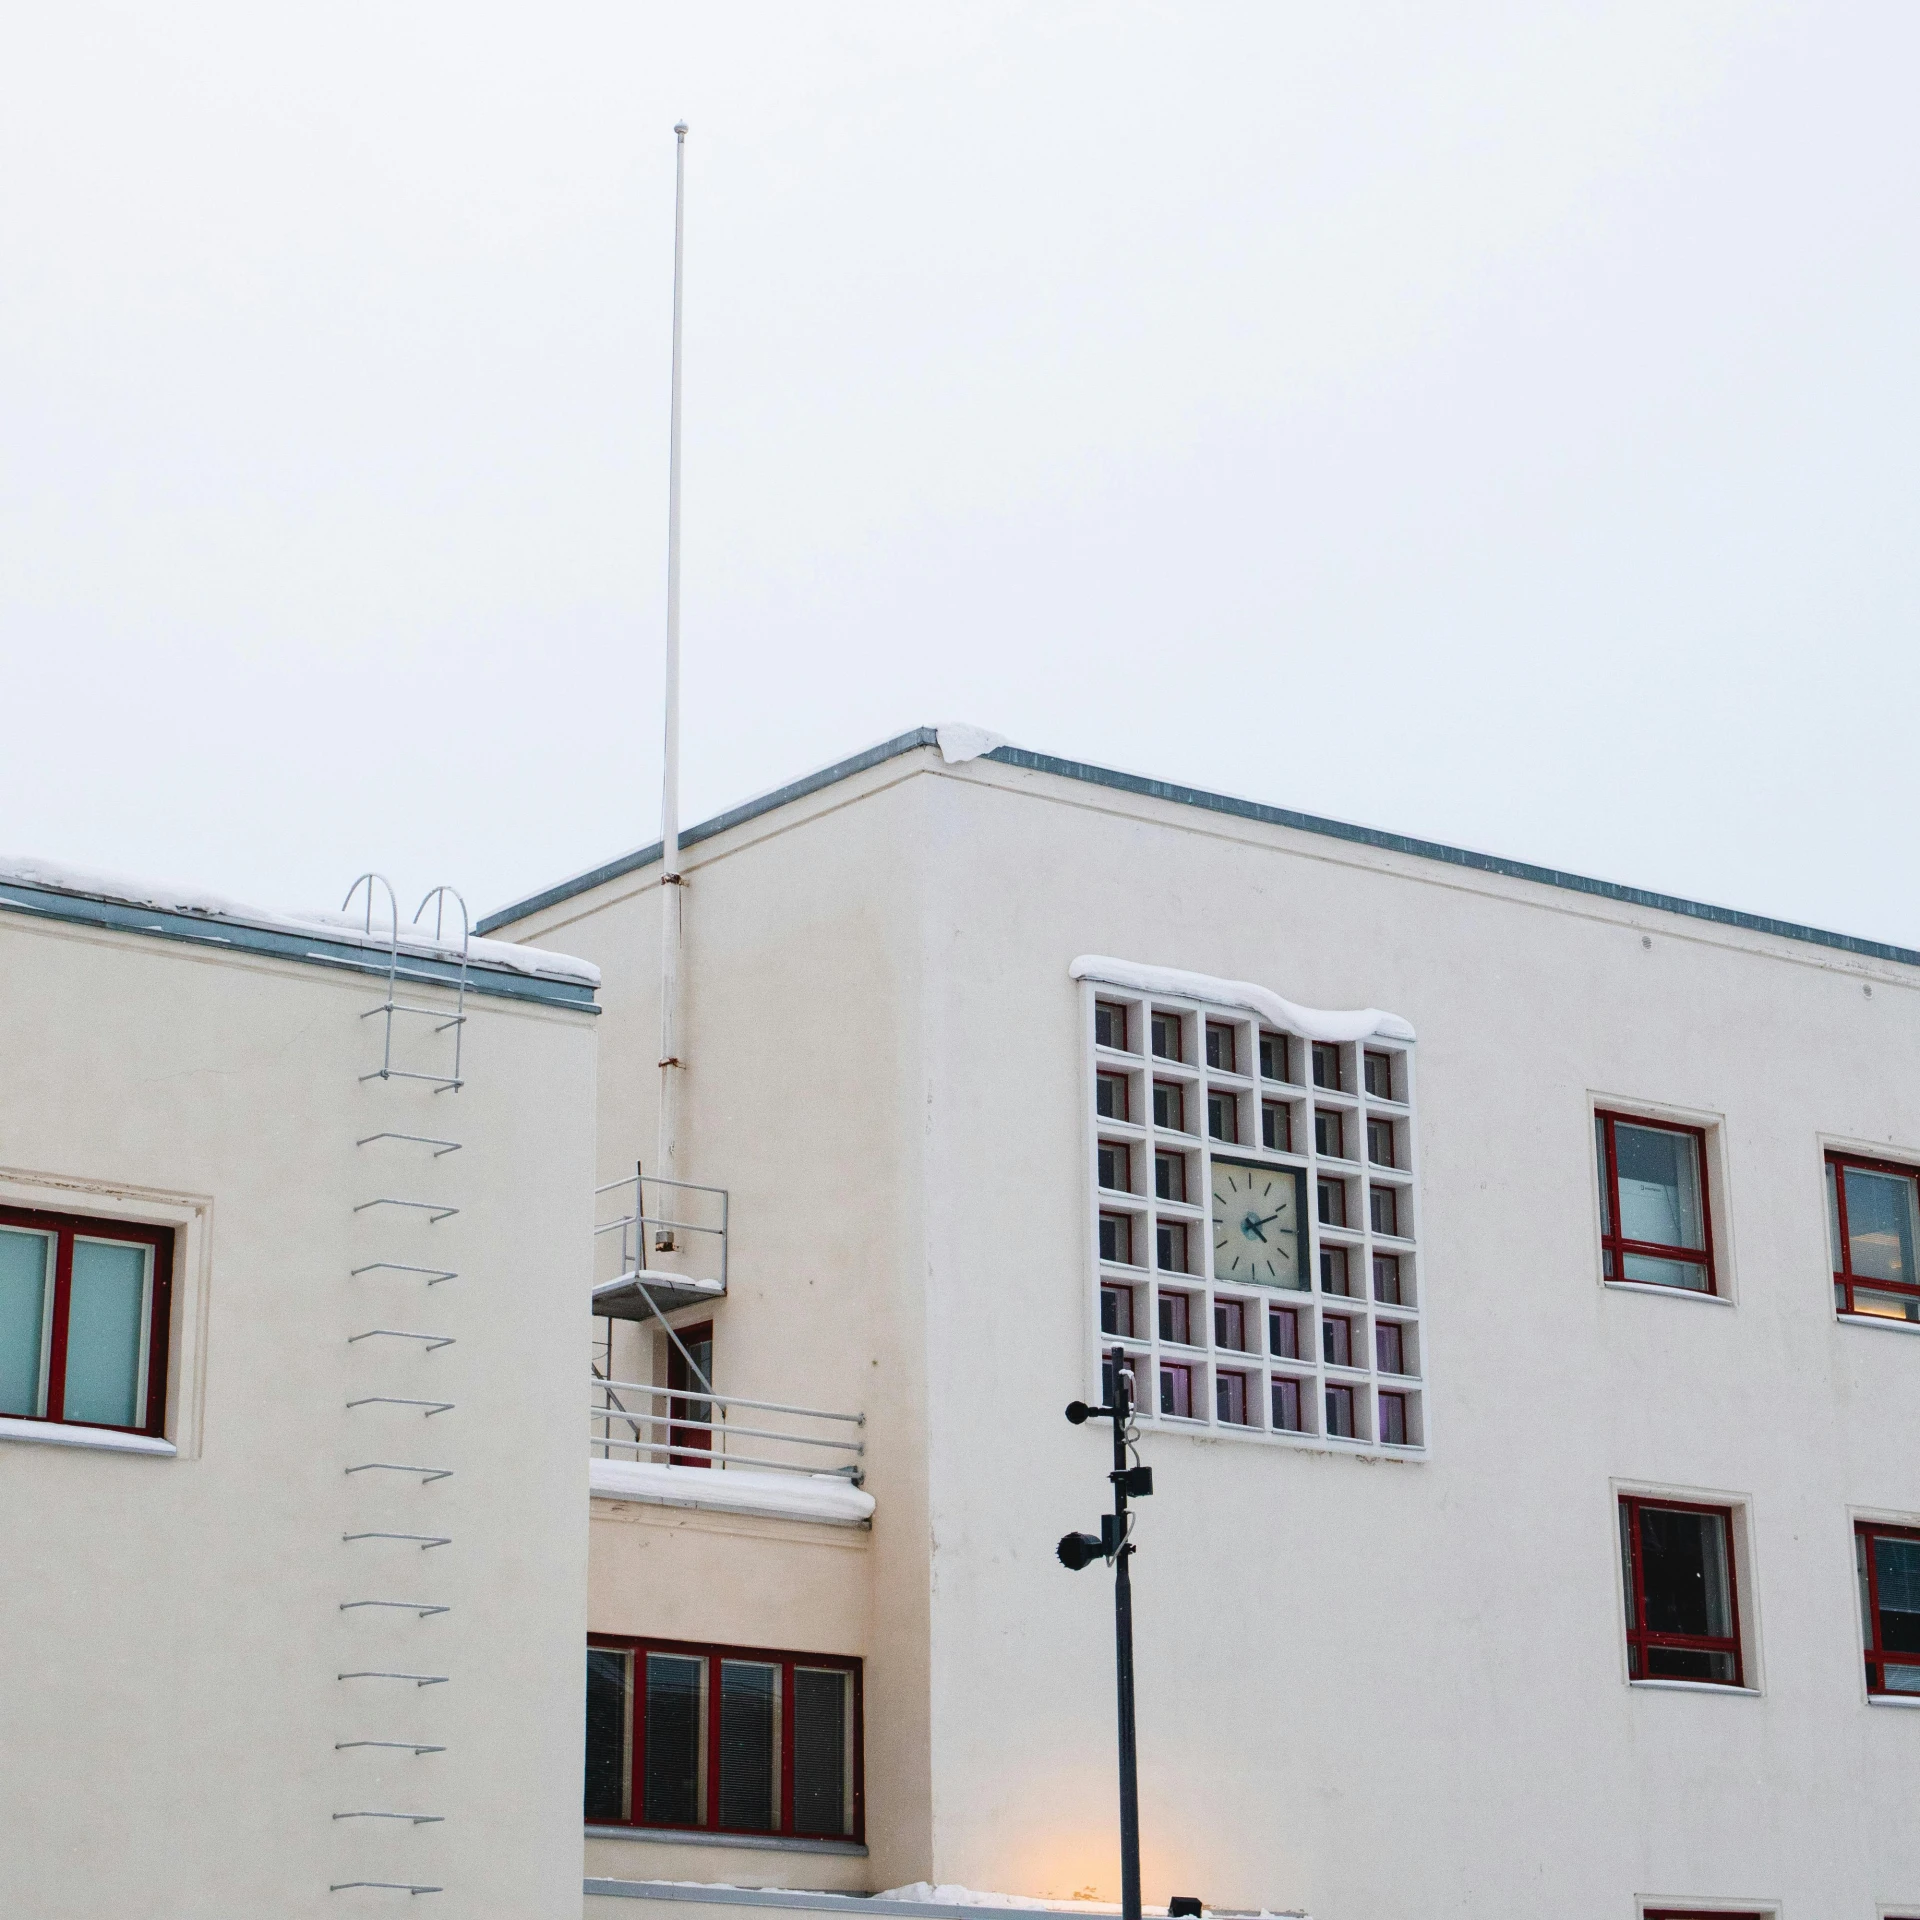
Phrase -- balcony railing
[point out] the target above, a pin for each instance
(661, 1244)
(690, 1428)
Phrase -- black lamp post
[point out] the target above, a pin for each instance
(1077, 1550)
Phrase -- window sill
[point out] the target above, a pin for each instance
(52, 1433)
(698, 1837)
(1695, 1686)
(1885, 1321)
(1670, 1293)
(1893, 1699)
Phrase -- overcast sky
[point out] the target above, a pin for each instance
(1492, 422)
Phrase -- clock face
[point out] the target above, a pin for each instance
(1256, 1224)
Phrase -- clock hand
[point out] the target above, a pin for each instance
(1252, 1225)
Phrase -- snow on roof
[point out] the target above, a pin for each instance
(780, 1496)
(1310, 1023)
(348, 929)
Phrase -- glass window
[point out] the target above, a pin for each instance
(1170, 1106)
(1221, 1050)
(1383, 1209)
(1116, 1311)
(1166, 1036)
(1389, 1347)
(1334, 1271)
(1871, 1227)
(1286, 1405)
(1393, 1419)
(1176, 1324)
(609, 1709)
(822, 1750)
(1276, 1126)
(1114, 1165)
(729, 1740)
(1329, 1134)
(1340, 1412)
(1230, 1325)
(1678, 1564)
(1110, 1096)
(1223, 1116)
(1230, 1398)
(1336, 1340)
(1273, 1057)
(1171, 1248)
(1326, 1065)
(1110, 1025)
(1653, 1216)
(1333, 1203)
(1283, 1333)
(1378, 1071)
(26, 1306)
(83, 1321)
(1170, 1176)
(1176, 1391)
(1386, 1279)
(1116, 1238)
(1887, 1561)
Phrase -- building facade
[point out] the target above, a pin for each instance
(1526, 1357)
(293, 1290)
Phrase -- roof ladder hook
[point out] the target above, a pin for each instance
(393, 953)
(437, 898)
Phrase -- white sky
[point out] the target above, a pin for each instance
(1493, 422)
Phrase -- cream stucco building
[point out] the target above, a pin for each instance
(1547, 1334)
(1518, 1272)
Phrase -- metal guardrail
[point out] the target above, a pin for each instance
(679, 1425)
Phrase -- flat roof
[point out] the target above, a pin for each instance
(1219, 803)
(497, 968)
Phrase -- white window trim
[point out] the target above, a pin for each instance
(56, 1433)
(191, 1218)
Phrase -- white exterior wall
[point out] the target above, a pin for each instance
(170, 1628)
(1382, 1690)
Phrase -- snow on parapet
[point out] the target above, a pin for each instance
(959, 741)
(1311, 1023)
(828, 1497)
(348, 929)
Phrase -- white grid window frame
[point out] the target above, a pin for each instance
(1179, 1277)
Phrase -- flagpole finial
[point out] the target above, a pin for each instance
(680, 128)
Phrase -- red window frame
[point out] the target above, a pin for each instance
(1393, 1412)
(1115, 1014)
(693, 1445)
(1700, 1913)
(1222, 1051)
(1844, 1277)
(1878, 1657)
(66, 1227)
(713, 1653)
(1612, 1241)
(1639, 1637)
(1289, 1403)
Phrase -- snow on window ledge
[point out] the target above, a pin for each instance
(1683, 1293)
(1885, 1321)
(752, 1842)
(1310, 1023)
(52, 1433)
(1695, 1686)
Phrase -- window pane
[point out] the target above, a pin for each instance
(26, 1272)
(1880, 1225)
(1896, 1569)
(676, 1741)
(822, 1751)
(1833, 1218)
(1683, 1571)
(1664, 1273)
(607, 1723)
(749, 1746)
(1689, 1663)
(1888, 1306)
(1659, 1186)
(105, 1322)
(1606, 1202)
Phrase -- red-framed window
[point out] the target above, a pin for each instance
(1683, 1603)
(1873, 1224)
(1699, 1913)
(1656, 1225)
(85, 1308)
(692, 1432)
(713, 1739)
(1887, 1563)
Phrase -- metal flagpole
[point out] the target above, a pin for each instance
(671, 884)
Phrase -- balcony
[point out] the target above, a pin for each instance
(723, 1453)
(660, 1259)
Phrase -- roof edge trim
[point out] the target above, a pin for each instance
(313, 949)
(1233, 808)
